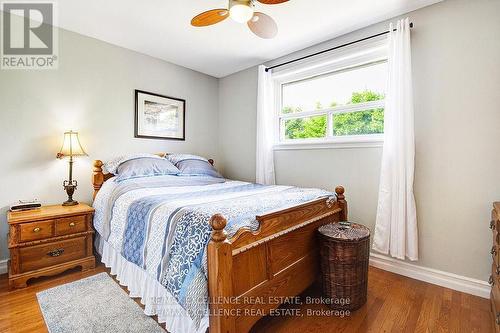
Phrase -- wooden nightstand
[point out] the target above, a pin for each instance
(48, 241)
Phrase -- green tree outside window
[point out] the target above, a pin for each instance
(351, 123)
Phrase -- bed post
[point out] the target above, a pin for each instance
(341, 199)
(97, 176)
(220, 284)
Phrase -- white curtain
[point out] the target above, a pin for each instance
(265, 126)
(396, 225)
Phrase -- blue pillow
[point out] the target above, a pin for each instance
(145, 167)
(196, 167)
(112, 165)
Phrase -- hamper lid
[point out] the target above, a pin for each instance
(345, 231)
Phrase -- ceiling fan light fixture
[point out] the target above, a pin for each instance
(241, 10)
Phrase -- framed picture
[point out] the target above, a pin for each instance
(159, 117)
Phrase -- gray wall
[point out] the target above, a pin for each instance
(237, 119)
(92, 92)
(456, 65)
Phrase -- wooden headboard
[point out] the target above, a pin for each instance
(99, 177)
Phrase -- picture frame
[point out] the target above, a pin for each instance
(159, 116)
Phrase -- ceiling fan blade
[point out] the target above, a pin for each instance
(263, 25)
(210, 17)
(272, 2)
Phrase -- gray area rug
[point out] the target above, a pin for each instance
(94, 304)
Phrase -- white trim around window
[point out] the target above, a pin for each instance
(348, 141)
(357, 56)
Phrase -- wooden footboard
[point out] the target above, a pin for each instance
(251, 273)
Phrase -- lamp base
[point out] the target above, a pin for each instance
(70, 203)
(70, 187)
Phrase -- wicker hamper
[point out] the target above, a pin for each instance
(345, 252)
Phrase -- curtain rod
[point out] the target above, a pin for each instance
(331, 49)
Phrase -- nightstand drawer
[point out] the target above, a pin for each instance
(39, 256)
(36, 230)
(71, 225)
(48, 241)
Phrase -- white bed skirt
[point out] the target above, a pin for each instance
(155, 298)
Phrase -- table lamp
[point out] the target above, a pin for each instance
(71, 147)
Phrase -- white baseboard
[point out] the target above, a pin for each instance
(430, 275)
(3, 266)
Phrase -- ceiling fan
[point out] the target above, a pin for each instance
(242, 11)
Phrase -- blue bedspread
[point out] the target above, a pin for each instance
(162, 225)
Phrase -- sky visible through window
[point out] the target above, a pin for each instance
(337, 87)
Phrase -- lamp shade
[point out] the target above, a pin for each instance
(71, 146)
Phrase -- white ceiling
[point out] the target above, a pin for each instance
(161, 28)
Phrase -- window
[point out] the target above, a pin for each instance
(340, 105)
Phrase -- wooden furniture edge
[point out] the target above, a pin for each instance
(258, 242)
(495, 267)
(268, 230)
(224, 307)
(220, 284)
(50, 239)
(99, 177)
(39, 214)
(20, 280)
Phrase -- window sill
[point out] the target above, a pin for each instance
(355, 141)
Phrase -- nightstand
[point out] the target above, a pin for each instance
(48, 241)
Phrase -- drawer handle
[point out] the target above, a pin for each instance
(491, 281)
(55, 253)
(37, 229)
(72, 224)
(492, 224)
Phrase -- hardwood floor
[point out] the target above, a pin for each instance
(395, 304)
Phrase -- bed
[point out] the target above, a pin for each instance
(204, 252)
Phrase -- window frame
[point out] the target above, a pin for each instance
(367, 54)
